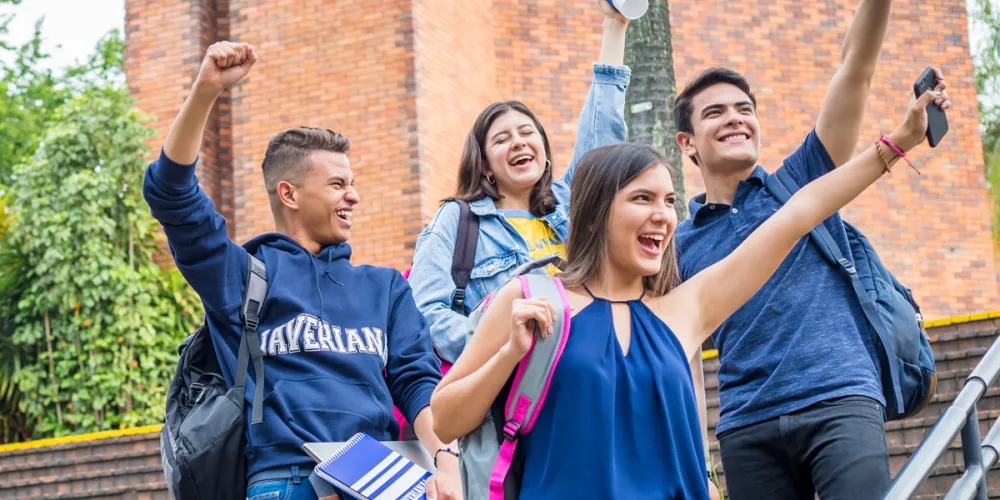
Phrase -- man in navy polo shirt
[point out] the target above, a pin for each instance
(801, 401)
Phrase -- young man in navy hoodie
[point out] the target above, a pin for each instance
(341, 343)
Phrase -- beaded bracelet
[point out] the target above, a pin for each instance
(896, 149)
(446, 450)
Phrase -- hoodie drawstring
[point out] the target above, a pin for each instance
(319, 290)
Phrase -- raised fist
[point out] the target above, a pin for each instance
(225, 64)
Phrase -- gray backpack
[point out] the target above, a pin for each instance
(490, 465)
(203, 439)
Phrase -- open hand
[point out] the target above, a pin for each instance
(610, 13)
(913, 130)
(225, 64)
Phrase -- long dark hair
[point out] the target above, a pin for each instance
(472, 182)
(599, 176)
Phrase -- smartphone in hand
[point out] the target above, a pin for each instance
(937, 121)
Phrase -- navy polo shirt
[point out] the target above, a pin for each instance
(803, 338)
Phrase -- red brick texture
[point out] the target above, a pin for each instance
(406, 79)
(931, 230)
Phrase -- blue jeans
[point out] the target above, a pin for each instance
(281, 489)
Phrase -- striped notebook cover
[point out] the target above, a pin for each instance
(368, 470)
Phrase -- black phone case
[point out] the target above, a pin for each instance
(937, 121)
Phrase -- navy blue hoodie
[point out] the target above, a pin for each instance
(341, 343)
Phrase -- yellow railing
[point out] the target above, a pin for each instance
(81, 437)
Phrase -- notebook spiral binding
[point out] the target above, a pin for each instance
(347, 447)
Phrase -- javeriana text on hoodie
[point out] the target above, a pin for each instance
(341, 343)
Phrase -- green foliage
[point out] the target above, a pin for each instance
(14, 424)
(96, 321)
(984, 20)
(30, 95)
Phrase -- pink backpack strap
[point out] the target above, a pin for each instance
(533, 376)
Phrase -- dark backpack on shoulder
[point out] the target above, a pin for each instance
(203, 440)
(903, 353)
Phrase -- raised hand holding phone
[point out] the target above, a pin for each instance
(937, 122)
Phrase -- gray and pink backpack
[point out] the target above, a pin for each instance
(490, 464)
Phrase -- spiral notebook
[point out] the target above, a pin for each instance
(368, 470)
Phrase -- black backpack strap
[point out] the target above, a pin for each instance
(783, 186)
(465, 253)
(253, 301)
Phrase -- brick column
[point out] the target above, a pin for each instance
(164, 44)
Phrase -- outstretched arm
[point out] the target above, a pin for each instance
(602, 118)
(844, 105)
(752, 263)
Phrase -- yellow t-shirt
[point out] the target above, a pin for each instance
(542, 239)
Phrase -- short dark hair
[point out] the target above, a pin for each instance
(683, 110)
(287, 156)
(600, 174)
(472, 182)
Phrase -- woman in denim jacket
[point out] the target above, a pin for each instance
(506, 176)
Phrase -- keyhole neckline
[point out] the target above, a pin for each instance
(602, 299)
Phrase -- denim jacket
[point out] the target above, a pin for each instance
(500, 249)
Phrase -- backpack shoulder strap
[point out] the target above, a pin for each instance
(783, 186)
(533, 374)
(253, 300)
(465, 253)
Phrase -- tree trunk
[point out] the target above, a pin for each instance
(649, 104)
(52, 367)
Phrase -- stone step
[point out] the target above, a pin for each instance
(974, 337)
(85, 484)
(942, 478)
(80, 451)
(990, 493)
(64, 466)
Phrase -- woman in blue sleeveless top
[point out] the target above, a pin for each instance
(620, 418)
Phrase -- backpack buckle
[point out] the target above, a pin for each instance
(847, 265)
(197, 391)
(458, 302)
(251, 320)
(511, 430)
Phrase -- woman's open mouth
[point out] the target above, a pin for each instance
(651, 243)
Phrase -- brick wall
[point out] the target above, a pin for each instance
(406, 79)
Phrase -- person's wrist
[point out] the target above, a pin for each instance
(511, 353)
(904, 140)
(205, 91)
(614, 23)
(445, 456)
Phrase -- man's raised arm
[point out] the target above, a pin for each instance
(844, 104)
(224, 65)
(199, 241)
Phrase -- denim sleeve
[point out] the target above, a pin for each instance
(211, 262)
(413, 371)
(601, 123)
(810, 161)
(433, 287)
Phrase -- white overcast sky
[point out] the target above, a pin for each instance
(71, 28)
